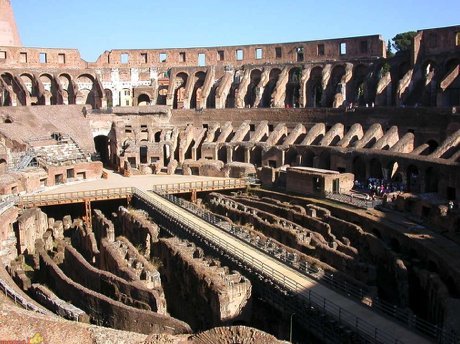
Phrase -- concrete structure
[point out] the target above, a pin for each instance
(313, 181)
(338, 105)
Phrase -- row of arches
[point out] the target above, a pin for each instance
(45, 89)
(319, 88)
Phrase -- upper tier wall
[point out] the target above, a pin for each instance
(324, 50)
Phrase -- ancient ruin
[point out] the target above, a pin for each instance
(347, 164)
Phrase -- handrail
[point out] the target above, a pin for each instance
(356, 201)
(201, 185)
(310, 297)
(404, 316)
(76, 195)
(18, 299)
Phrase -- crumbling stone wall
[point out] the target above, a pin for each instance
(64, 309)
(200, 290)
(31, 225)
(136, 227)
(104, 310)
(133, 293)
(8, 250)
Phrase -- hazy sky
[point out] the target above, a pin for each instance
(93, 26)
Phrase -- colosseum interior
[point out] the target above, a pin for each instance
(325, 157)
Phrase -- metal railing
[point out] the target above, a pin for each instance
(367, 330)
(404, 316)
(353, 200)
(18, 299)
(76, 196)
(8, 202)
(200, 186)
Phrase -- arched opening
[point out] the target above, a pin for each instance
(101, 142)
(230, 101)
(270, 87)
(308, 158)
(68, 89)
(14, 89)
(31, 86)
(211, 101)
(188, 153)
(50, 93)
(108, 97)
(256, 156)
(86, 90)
(179, 90)
(335, 84)
(359, 169)
(412, 175)
(357, 93)
(431, 180)
(452, 92)
(375, 169)
(290, 157)
(143, 151)
(3, 166)
(293, 87)
(238, 154)
(158, 136)
(162, 95)
(324, 160)
(250, 97)
(196, 100)
(314, 88)
(143, 100)
(395, 245)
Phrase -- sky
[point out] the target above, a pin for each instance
(93, 26)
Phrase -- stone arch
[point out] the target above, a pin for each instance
(375, 169)
(50, 90)
(290, 156)
(180, 81)
(256, 156)
(270, 87)
(143, 154)
(255, 77)
(335, 83)
(68, 96)
(86, 90)
(3, 166)
(452, 92)
(109, 97)
(102, 145)
(432, 145)
(358, 91)
(413, 179)
(293, 87)
(30, 84)
(314, 87)
(359, 168)
(308, 158)
(196, 99)
(324, 160)
(431, 179)
(143, 100)
(16, 94)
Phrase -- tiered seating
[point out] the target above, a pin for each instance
(61, 153)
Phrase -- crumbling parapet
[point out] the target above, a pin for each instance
(201, 284)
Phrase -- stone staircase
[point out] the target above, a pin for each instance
(66, 150)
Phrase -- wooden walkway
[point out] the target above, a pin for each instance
(377, 326)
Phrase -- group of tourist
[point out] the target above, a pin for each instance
(379, 187)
